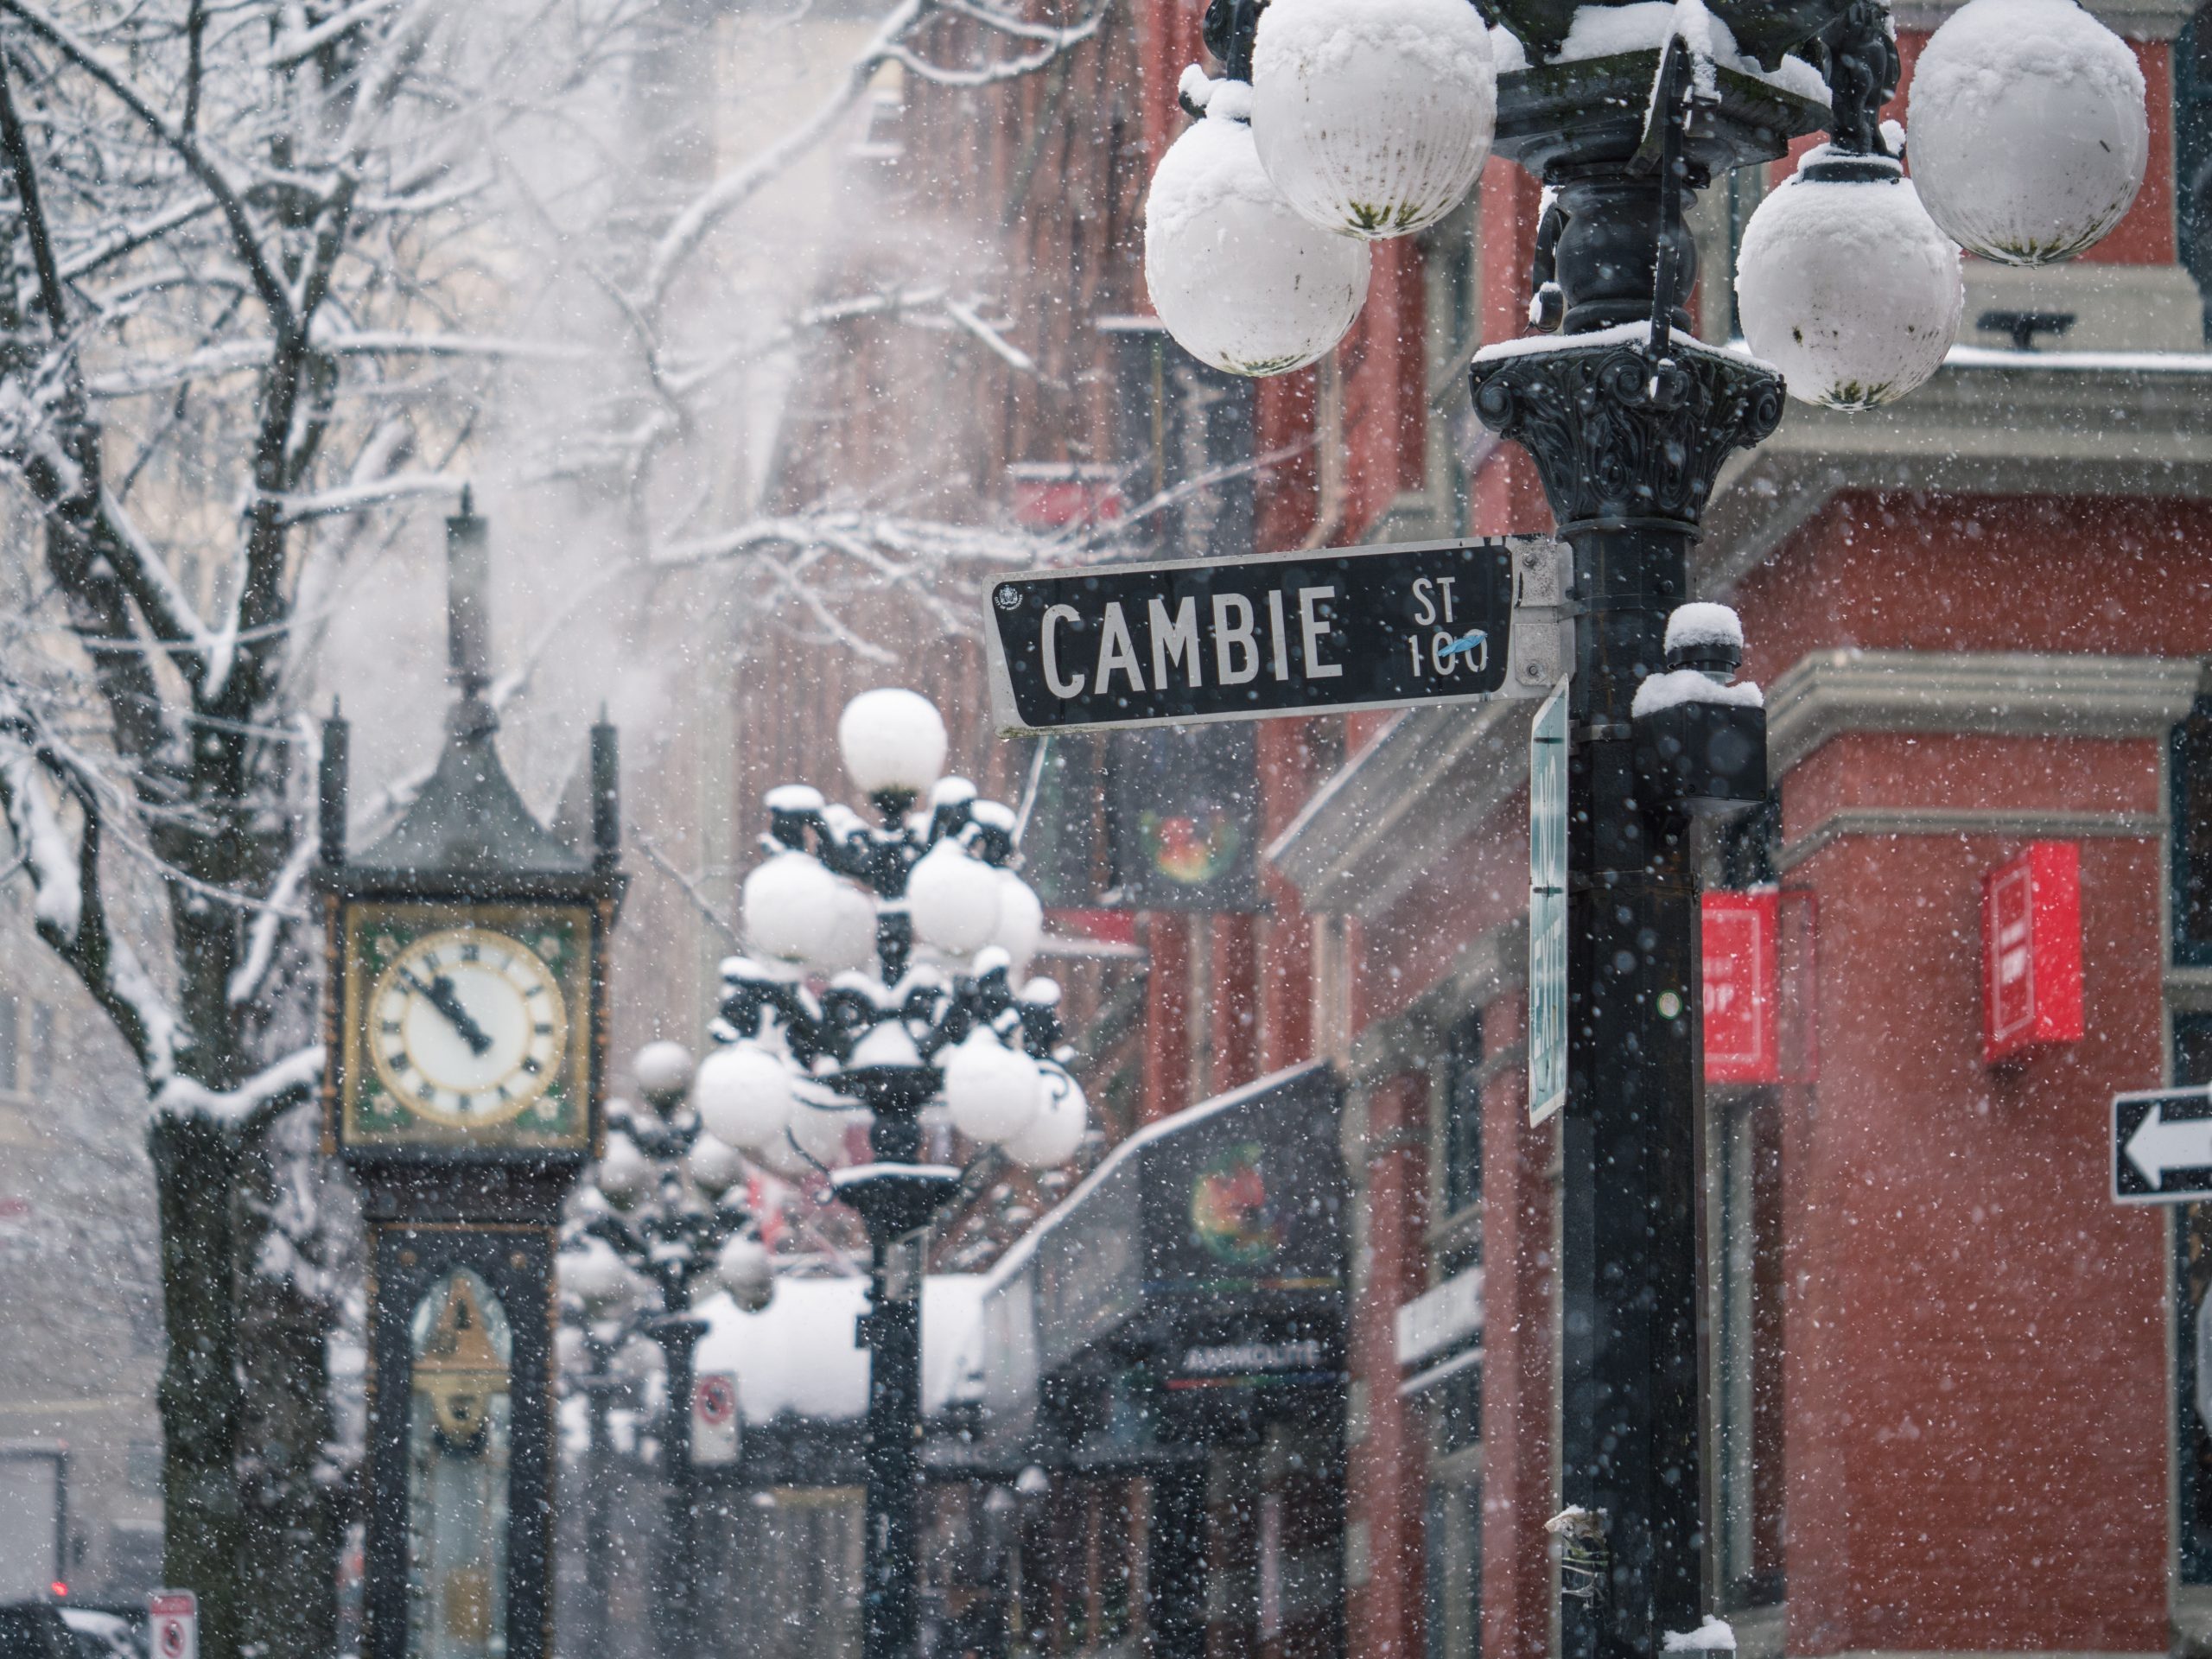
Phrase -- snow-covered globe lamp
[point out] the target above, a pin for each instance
(625, 1177)
(1021, 922)
(992, 1091)
(1846, 285)
(893, 741)
(1373, 117)
(664, 1071)
(2029, 128)
(954, 899)
(714, 1165)
(1055, 1134)
(746, 1272)
(596, 1276)
(743, 1094)
(789, 906)
(1241, 279)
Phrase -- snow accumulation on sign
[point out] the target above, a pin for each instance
(1138, 645)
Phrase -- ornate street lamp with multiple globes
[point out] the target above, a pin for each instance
(879, 1020)
(662, 1217)
(1340, 121)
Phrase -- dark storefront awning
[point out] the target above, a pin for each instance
(1192, 1284)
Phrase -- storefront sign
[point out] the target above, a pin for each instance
(1742, 985)
(2031, 950)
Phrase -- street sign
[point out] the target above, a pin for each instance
(172, 1625)
(2161, 1146)
(1277, 634)
(1548, 748)
(713, 1419)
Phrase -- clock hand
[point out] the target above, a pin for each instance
(440, 994)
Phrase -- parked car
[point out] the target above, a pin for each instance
(46, 1629)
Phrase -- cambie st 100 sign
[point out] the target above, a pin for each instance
(1278, 633)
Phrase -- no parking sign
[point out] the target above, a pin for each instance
(174, 1620)
(713, 1419)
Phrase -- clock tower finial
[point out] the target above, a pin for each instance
(468, 616)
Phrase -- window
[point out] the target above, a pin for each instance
(2191, 768)
(42, 1015)
(1748, 1326)
(1463, 1116)
(2193, 151)
(2192, 1268)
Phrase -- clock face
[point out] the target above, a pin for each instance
(467, 1026)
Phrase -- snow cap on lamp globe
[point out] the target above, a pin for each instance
(1242, 281)
(954, 900)
(743, 1094)
(663, 1071)
(894, 741)
(1373, 117)
(747, 1272)
(1055, 1134)
(992, 1091)
(1846, 285)
(2028, 128)
(789, 902)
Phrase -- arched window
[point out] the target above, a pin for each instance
(457, 1446)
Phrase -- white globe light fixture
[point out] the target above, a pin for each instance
(664, 1073)
(1243, 281)
(744, 1095)
(624, 1176)
(747, 1272)
(849, 940)
(893, 742)
(596, 1276)
(714, 1165)
(1021, 922)
(954, 899)
(2028, 130)
(788, 905)
(1845, 283)
(824, 1133)
(1055, 1134)
(1373, 117)
(992, 1092)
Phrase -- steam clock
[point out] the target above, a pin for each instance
(465, 1019)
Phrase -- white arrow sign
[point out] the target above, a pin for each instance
(2161, 1146)
(2158, 1146)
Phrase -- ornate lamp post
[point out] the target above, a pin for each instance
(665, 1206)
(1846, 282)
(880, 1005)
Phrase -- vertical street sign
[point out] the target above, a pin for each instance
(714, 1419)
(1547, 908)
(172, 1621)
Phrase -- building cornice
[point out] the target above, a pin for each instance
(2008, 694)
(1382, 822)
(2139, 20)
(1998, 422)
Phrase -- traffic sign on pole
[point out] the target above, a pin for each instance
(173, 1620)
(2161, 1146)
(1279, 633)
(1547, 750)
(713, 1419)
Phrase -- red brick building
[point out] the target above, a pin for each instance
(1955, 1391)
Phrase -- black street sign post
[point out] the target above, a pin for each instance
(1281, 633)
(2161, 1146)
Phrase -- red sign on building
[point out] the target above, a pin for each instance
(1742, 987)
(2031, 950)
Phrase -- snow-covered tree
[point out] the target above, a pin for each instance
(260, 286)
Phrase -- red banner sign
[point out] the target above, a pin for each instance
(2031, 950)
(1742, 987)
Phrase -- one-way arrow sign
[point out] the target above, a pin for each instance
(2161, 1146)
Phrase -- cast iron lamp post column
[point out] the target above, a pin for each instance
(927, 898)
(673, 1213)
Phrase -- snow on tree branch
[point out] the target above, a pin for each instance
(276, 1089)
